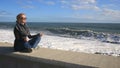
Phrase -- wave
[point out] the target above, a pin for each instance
(87, 34)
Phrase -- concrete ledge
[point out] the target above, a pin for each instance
(15, 62)
(50, 58)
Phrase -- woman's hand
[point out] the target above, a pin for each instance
(26, 39)
(41, 34)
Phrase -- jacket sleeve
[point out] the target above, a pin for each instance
(32, 36)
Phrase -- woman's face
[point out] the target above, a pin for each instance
(22, 19)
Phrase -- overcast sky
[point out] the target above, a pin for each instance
(93, 11)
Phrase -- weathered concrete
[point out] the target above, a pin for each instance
(51, 58)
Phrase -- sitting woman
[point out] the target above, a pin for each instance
(24, 41)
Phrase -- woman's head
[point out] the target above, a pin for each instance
(21, 18)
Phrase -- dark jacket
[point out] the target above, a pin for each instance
(20, 32)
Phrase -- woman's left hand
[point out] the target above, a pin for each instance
(41, 34)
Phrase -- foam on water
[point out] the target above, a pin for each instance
(69, 44)
(6, 35)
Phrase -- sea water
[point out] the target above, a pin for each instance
(98, 38)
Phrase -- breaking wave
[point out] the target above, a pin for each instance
(87, 34)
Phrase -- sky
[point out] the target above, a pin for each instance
(75, 11)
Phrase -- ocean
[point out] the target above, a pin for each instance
(98, 38)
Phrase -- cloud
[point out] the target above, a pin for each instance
(28, 6)
(80, 4)
(50, 3)
(78, 1)
(103, 12)
(105, 15)
(111, 13)
(29, 1)
(4, 13)
(93, 9)
(115, 1)
(85, 7)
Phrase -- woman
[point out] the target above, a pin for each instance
(24, 41)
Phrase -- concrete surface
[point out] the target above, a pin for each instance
(51, 58)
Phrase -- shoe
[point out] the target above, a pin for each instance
(26, 50)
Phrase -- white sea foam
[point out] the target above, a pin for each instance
(6, 35)
(69, 44)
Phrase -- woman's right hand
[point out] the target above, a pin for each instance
(41, 34)
(26, 39)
